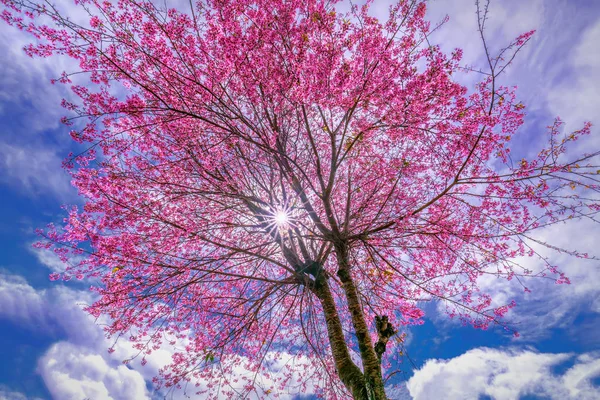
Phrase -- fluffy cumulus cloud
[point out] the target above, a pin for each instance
(76, 372)
(507, 374)
(81, 367)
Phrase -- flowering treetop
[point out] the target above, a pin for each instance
(268, 179)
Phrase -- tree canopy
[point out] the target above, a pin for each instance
(269, 180)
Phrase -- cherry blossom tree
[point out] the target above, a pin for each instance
(271, 182)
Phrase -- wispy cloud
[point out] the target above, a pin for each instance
(548, 304)
(20, 303)
(30, 154)
(35, 171)
(27, 99)
(557, 75)
(577, 98)
(55, 312)
(8, 394)
(49, 259)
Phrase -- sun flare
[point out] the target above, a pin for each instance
(281, 218)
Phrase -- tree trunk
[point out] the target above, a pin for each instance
(373, 379)
(350, 375)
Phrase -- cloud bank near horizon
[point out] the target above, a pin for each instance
(505, 374)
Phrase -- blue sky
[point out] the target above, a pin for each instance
(51, 349)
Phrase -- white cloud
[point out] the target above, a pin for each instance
(26, 81)
(279, 365)
(73, 372)
(54, 310)
(20, 303)
(37, 171)
(30, 159)
(557, 74)
(82, 364)
(49, 259)
(576, 99)
(7, 394)
(81, 367)
(461, 31)
(506, 374)
(398, 392)
(550, 305)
